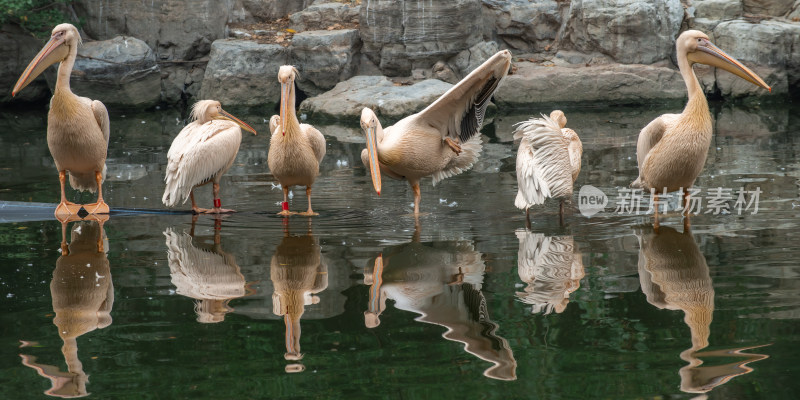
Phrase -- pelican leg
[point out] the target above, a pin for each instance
(292, 338)
(561, 212)
(527, 218)
(417, 196)
(195, 208)
(65, 208)
(218, 203)
(655, 214)
(453, 145)
(310, 212)
(285, 212)
(687, 223)
(64, 246)
(99, 207)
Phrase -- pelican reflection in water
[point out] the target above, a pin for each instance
(552, 267)
(674, 275)
(440, 281)
(204, 272)
(298, 272)
(83, 296)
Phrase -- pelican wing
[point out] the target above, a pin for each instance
(543, 162)
(316, 140)
(459, 113)
(651, 134)
(199, 154)
(101, 115)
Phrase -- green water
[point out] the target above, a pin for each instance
(623, 313)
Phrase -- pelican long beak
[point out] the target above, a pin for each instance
(285, 91)
(52, 52)
(712, 55)
(245, 126)
(372, 150)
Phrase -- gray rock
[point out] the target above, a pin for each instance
(717, 9)
(324, 15)
(274, 9)
(121, 71)
(768, 7)
(244, 72)
(466, 61)
(522, 25)
(19, 49)
(400, 36)
(387, 99)
(794, 13)
(610, 84)
(324, 58)
(629, 31)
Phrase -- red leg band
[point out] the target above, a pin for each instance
(285, 206)
(217, 203)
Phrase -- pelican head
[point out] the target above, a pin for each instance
(370, 124)
(559, 117)
(207, 110)
(699, 49)
(286, 76)
(64, 38)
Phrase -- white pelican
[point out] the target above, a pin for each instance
(83, 296)
(672, 149)
(205, 273)
(548, 160)
(295, 149)
(440, 281)
(298, 272)
(201, 153)
(551, 267)
(440, 141)
(77, 127)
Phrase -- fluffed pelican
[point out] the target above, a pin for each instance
(77, 127)
(442, 140)
(201, 153)
(548, 160)
(672, 149)
(295, 149)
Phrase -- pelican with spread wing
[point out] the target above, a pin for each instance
(201, 153)
(440, 141)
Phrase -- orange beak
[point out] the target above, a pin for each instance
(51, 53)
(285, 91)
(239, 122)
(372, 150)
(712, 55)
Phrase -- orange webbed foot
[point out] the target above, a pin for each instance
(220, 211)
(97, 208)
(67, 208)
(309, 213)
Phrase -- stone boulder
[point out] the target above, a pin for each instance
(120, 71)
(273, 9)
(19, 50)
(717, 9)
(610, 84)
(243, 72)
(383, 96)
(320, 16)
(466, 61)
(775, 8)
(522, 25)
(400, 36)
(629, 31)
(324, 58)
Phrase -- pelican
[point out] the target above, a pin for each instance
(295, 150)
(201, 153)
(548, 160)
(672, 149)
(551, 267)
(83, 296)
(440, 141)
(205, 273)
(673, 274)
(77, 127)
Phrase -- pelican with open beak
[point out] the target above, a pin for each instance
(77, 127)
(201, 153)
(672, 149)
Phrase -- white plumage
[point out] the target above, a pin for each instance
(548, 160)
(551, 267)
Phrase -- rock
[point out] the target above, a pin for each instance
(400, 36)
(610, 84)
(731, 86)
(629, 31)
(273, 9)
(717, 9)
(174, 29)
(324, 15)
(522, 25)
(120, 71)
(775, 8)
(387, 99)
(466, 61)
(794, 13)
(243, 72)
(324, 58)
(19, 49)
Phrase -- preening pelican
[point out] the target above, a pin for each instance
(295, 149)
(201, 153)
(77, 127)
(548, 160)
(672, 149)
(83, 296)
(551, 267)
(440, 141)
